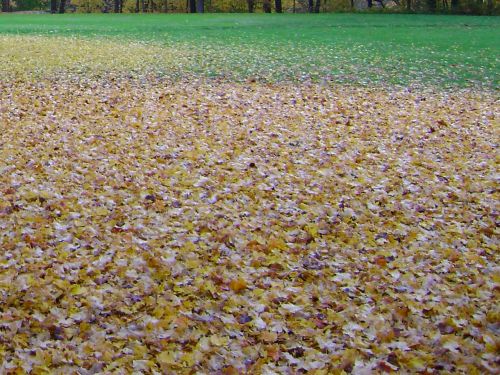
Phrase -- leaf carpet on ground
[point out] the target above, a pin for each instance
(168, 227)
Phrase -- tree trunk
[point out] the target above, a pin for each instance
(5, 5)
(266, 6)
(408, 5)
(317, 6)
(165, 6)
(370, 3)
(53, 6)
(278, 6)
(489, 7)
(431, 5)
(200, 6)
(251, 5)
(62, 6)
(310, 6)
(137, 6)
(192, 6)
(454, 5)
(117, 6)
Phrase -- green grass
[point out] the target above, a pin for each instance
(354, 48)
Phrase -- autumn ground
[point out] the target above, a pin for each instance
(195, 208)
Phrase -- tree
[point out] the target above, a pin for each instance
(431, 5)
(200, 6)
(30, 4)
(192, 6)
(251, 5)
(317, 6)
(5, 5)
(118, 6)
(454, 5)
(278, 6)
(62, 6)
(53, 6)
(370, 3)
(489, 7)
(266, 6)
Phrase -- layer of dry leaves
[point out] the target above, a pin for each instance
(216, 227)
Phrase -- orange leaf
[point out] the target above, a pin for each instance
(238, 285)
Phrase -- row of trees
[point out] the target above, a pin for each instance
(267, 6)
(164, 6)
(455, 6)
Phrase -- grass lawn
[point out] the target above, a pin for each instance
(349, 48)
(260, 194)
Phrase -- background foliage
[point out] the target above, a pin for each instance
(241, 6)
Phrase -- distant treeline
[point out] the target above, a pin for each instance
(486, 7)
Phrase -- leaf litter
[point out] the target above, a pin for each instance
(212, 226)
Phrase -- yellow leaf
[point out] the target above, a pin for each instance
(101, 211)
(277, 243)
(267, 336)
(77, 290)
(416, 364)
(312, 229)
(218, 341)
(166, 358)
